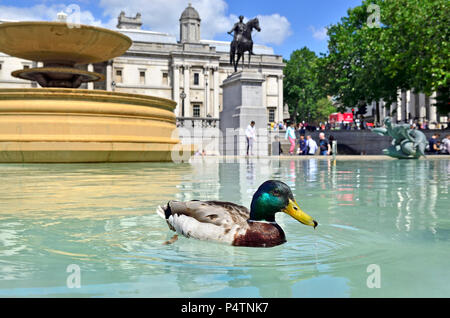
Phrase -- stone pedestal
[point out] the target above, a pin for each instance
(242, 104)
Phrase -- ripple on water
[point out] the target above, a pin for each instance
(102, 218)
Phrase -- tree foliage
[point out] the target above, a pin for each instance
(408, 50)
(302, 90)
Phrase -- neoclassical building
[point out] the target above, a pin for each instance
(188, 70)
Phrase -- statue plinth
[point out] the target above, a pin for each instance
(242, 104)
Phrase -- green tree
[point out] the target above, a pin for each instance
(302, 89)
(324, 108)
(407, 50)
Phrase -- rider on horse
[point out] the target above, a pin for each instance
(238, 29)
(242, 41)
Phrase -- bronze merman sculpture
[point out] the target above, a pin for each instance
(407, 143)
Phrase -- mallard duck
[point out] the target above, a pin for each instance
(234, 224)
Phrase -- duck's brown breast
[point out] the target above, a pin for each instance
(261, 234)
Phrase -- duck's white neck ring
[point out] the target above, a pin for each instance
(266, 222)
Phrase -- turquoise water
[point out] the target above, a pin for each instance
(101, 218)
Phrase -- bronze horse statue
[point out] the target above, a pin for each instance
(244, 45)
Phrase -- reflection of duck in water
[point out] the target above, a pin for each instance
(234, 224)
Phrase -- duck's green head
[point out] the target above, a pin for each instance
(273, 197)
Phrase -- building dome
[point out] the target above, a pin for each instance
(190, 13)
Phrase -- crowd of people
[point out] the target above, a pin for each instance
(358, 124)
(297, 136)
(436, 146)
(307, 146)
(323, 126)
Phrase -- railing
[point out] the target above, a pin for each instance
(198, 122)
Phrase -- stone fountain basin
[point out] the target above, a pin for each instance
(56, 125)
(55, 42)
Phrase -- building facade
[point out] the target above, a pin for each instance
(188, 70)
(410, 107)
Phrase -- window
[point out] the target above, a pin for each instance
(196, 111)
(196, 79)
(1, 66)
(26, 67)
(271, 115)
(142, 77)
(165, 78)
(119, 77)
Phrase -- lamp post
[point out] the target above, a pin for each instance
(183, 97)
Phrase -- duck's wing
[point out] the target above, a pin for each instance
(207, 220)
(213, 212)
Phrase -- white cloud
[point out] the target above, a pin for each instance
(42, 12)
(164, 15)
(319, 34)
(160, 15)
(274, 29)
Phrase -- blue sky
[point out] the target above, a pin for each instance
(287, 24)
(303, 15)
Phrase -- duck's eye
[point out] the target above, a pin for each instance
(276, 193)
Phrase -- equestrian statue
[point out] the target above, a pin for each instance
(242, 41)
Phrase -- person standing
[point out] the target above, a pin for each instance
(434, 150)
(302, 151)
(311, 146)
(324, 145)
(250, 133)
(331, 139)
(290, 134)
(238, 29)
(446, 144)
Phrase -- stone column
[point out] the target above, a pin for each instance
(411, 103)
(264, 91)
(422, 106)
(109, 75)
(176, 88)
(90, 68)
(433, 110)
(187, 90)
(206, 73)
(375, 111)
(415, 105)
(280, 98)
(382, 111)
(216, 108)
(404, 107)
(392, 108)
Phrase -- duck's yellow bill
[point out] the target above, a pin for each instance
(294, 210)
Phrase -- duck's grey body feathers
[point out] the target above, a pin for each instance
(206, 220)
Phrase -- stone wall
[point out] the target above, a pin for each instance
(203, 133)
(357, 142)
